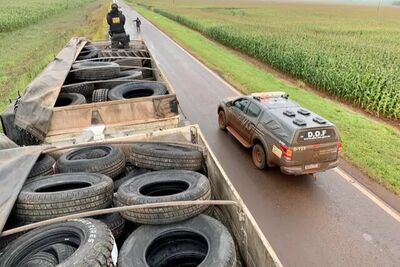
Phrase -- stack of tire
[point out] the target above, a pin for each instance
(85, 179)
(89, 69)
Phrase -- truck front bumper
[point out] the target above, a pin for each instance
(301, 169)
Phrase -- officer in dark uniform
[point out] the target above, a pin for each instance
(116, 20)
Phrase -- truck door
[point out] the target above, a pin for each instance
(237, 114)
(250, 121)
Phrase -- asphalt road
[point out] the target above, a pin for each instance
(323, 222)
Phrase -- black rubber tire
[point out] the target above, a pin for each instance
(105, 159)
(161, 156)
(163, 186)
(130, 75)
(127, 175)
(201, 241)
(43, 166)
(100, 95)
(222, 120)
(114, 221)
(87, 191)
(61, 251)
(25, 138)
(259, 156)
(88, 52)
(69, 99)
(135, 90)
(91, 71)
(92, 238)
(85, 89)
(41, 259)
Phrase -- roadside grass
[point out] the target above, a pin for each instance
(27, 51)
(371, 146)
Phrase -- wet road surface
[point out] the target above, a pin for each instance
(323, 222)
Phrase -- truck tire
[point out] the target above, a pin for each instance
(25, 138)
(43, 166)
(127, 176)
(201, 241)
(259, 156)
(85, 89)
(161, 156)
(105, 159)
(134, 90)
(114, 221)
(100, 95)
(91, 71)
(41, 259)
(94, 250)
(163, 186)
(69, 99)
(130, 74)
(88, 52)
(53, 196)
(61, 251)
(222, 120)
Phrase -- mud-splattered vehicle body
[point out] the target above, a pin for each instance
(281, 133)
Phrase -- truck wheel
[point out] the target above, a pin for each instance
(93, 241)
(114, 221)
(199, 241)
(69, 99)
(43, 166)
(91, 71)
(164, 186)
(259, 156)
(105, 159)
(85, 89)
(47, 197)
(127, 176)
(222, 120)
(136, 89)
(88, 52)
(160, 156)
(100, 95)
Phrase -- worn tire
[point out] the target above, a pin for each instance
(25, 138)
(41, 199)
(136, 89)
(88, 52)
(41, 259)
(163, 186)
(130, 75)
(92, 238)
(161, 156)
(100, 95)
(127, 175)
(201, 241)
(43, 166)
(114, 221)
(85, 89)
(91, 71)
(61, 251)
(69, 99)
(259, 156)
(105, 159)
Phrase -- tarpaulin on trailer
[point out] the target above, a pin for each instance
(15, 165)
(35, 106)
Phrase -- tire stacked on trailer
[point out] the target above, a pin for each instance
(143, 173)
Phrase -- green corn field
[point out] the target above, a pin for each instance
(350, 53)
(20, 13)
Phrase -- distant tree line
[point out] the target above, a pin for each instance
(396, 3)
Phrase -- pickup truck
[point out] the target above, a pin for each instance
(281, 133)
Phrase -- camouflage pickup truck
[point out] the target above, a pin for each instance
(281, 133)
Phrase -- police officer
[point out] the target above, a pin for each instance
(116, 21)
